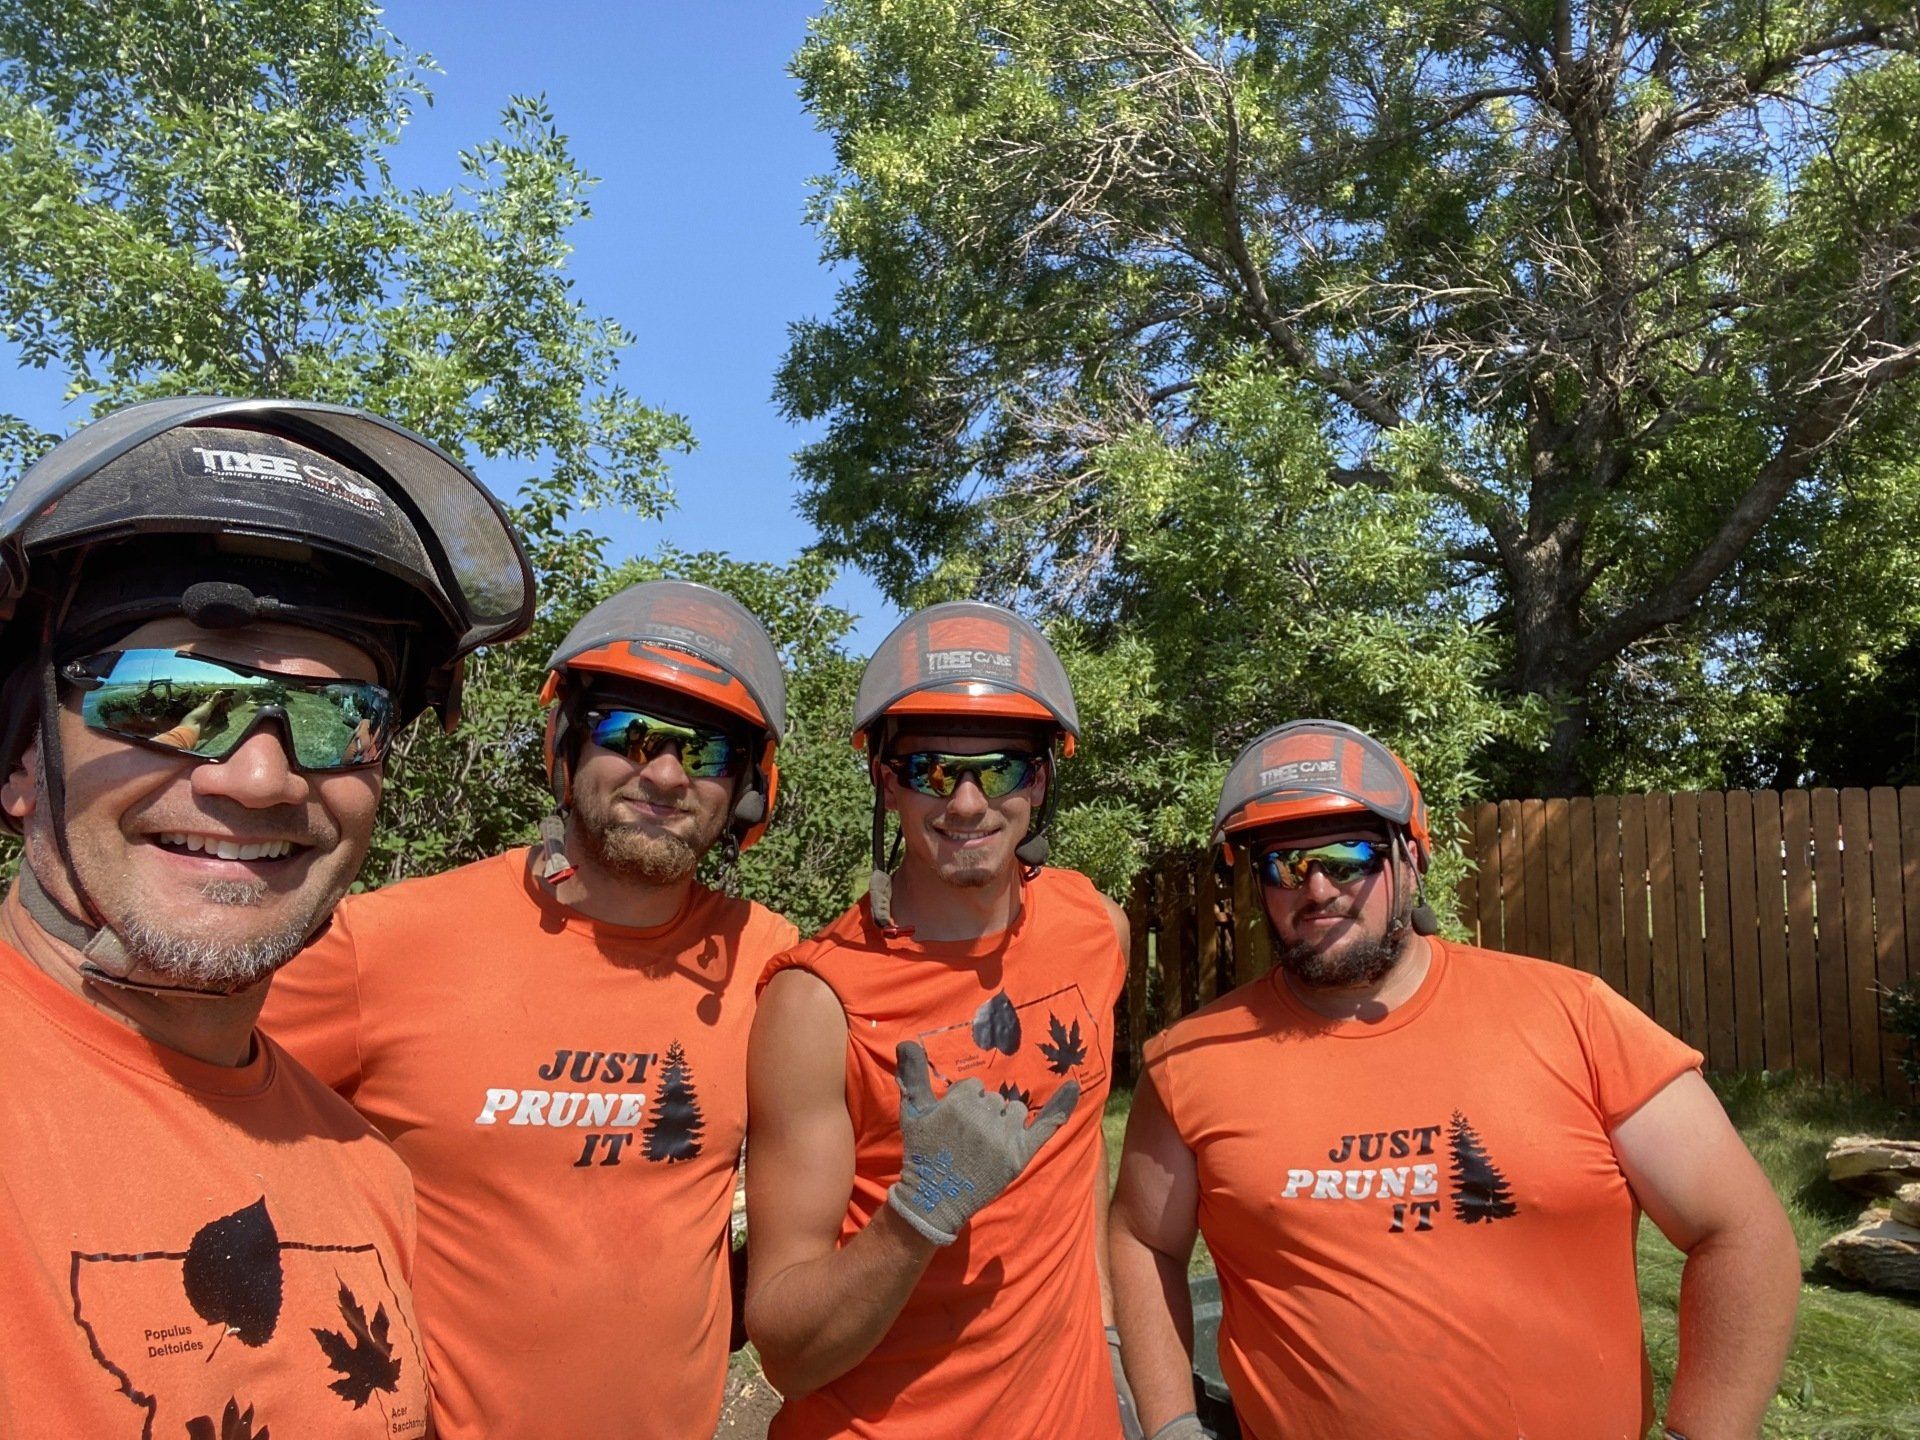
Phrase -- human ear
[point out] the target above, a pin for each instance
(20, 792)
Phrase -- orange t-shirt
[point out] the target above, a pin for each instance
(185, 1246)
(1002, 1336)
(571, 1098)
(1420, 1225)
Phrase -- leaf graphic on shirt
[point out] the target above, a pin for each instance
(1067, 1049)
(365, 1363)
(996, 1026)
(232, 1274)
(235, 1424)
(1011, 1091)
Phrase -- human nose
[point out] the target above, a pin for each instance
(664, 769)
(1318, 888)
(258, 774)
(968, 799)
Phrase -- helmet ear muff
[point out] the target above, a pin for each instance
(754, 808)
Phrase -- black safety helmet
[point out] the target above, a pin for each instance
(230, 511)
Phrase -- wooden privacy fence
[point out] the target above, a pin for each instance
(1759, 926)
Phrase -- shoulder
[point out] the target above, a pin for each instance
(1243, 1012)
(1497, 977)
(824, 953)
(1072, 889)
(431, 896)
(329, 1119)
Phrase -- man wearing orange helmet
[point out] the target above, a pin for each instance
(926, 1261)
(555, 1039)
(1419, 1166)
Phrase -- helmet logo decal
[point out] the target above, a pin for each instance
(1299, 771)
(945, 662)
(680, 662)
(284, 467)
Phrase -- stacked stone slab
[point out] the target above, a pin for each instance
(1883, 1249)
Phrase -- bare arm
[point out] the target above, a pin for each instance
(1693, 1176)
(1151, 1233)
(815, 1310)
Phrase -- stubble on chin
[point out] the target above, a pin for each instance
(203, 961)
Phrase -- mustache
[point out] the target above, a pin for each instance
(245, 825)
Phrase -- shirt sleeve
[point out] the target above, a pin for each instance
(1631, 1057)
(313, 1008)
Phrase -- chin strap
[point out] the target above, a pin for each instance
(103, 958)
(1418, 915)
(555, 867)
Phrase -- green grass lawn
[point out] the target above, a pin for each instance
(1855, 1366)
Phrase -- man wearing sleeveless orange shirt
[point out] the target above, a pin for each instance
(555, 1040)
(926, 1261)
(197, 1237)
(1420, 1166)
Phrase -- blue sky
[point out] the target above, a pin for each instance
(685, 112)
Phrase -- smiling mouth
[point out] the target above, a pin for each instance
(220, 847)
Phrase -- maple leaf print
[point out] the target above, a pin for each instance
(235, 1424)
(1067, 1049)
(365, 1363)
(1011, 1091)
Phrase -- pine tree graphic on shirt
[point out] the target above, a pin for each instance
(674, 1132)
(1480, 1191)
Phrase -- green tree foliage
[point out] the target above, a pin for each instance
(1258, 593)
(1625, 290)
(198, 201)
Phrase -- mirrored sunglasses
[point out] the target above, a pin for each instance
(1342, 862)
(204, 708)
(934, 772)
(703, 753)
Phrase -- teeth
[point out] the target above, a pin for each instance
(227, 849)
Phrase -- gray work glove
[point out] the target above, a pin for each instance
(963, 1149)
(1181, 1427)
(1123, 1392)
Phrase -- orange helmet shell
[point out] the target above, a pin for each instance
(1310, 769)
(969, 660)
(691, 640)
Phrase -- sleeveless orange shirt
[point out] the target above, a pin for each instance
(1420, 1226)
(571, 1099)
(190, 1249)
(1002, 1336)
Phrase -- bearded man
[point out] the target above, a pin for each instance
(555, 1039)
(1420, 1166)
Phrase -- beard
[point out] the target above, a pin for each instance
(1358, 963)
(210, 964)
(635, 852)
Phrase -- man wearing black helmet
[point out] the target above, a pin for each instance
(202, 599)
(1419, 1166)
(927, 1261)
(555, 1039)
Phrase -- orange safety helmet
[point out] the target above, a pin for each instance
(1314, 769)
(1308, 769)
(969, 661)
(696, 642)
(966, 659)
